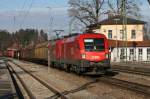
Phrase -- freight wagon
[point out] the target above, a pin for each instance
(41, 52)
(36, 53)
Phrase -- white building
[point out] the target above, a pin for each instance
(112, 28)
(136, 51)
(129, 46)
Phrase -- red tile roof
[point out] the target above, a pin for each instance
(112, 43)
(111, 21)
(116, 20)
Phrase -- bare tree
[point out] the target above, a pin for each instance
(132, 7)
(86, 11)
(148, 1)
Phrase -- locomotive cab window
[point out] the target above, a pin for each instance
(94, 44)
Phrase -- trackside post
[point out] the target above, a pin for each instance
(48, 57)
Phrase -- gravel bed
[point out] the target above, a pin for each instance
(134, 78)
(38, 90)
(133, 64)
(59, 81)
(68, 81)
(4, 75)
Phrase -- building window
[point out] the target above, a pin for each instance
(148, 54)
(131, 57)
(131, 51)
(122, 53)
(133, 34)
(110, 34)
(140, 54)
(121, 34)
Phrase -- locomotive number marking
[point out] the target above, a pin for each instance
(95, 57)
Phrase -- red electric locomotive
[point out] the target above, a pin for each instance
(82, 53)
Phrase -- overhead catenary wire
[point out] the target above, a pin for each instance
(23, 6)
(26, 14)
(20, 13)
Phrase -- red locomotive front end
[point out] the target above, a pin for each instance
(81, 53)
(94, 52)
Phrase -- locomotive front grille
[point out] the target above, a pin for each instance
(104, 63)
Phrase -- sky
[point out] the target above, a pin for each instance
(38, 14)
(42, 14)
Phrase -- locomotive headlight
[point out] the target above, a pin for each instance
(83, 55)
(107, 55)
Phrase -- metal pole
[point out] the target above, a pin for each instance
(48, 58)
(13, 23)
(70, 25)
(124, 26)
(117, 19)
(126, 36)
(50, 23)
(50, 30)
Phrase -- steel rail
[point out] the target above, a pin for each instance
(136, 87)
(57, 93)
(21, 81)
(142, 71)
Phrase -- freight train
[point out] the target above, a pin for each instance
(86, 53)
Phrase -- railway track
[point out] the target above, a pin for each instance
(136, 87)
(13, 73)
(132, 71)
(8, 85)
(57, 93)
